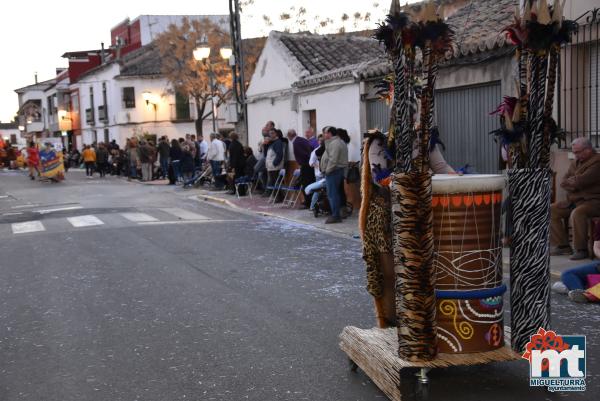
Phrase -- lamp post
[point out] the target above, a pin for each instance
(202, 53)
(237, 61)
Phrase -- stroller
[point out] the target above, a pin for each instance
(199, 178)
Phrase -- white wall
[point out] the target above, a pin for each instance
(337, 106)
(575, 8)
(125, 122)
(277, 110)
(274, 71)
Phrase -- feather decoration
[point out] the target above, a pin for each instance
(508, 136)
(381, 173)
(540, 37)
(567, 29)
(516, 32)
(386, 32)
(506, 107)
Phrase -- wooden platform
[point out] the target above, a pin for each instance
(375, 351)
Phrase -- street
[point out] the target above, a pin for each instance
(124, 291)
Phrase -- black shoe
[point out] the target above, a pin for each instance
(333, 220)
(579, 255)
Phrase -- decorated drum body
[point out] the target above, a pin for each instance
(468, 262)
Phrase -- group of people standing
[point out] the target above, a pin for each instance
(322, 160)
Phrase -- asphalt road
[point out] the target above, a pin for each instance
(159, 297)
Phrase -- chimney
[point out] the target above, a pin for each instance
(36, 81)
(102, 53)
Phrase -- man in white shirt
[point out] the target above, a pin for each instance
(216, 157)
(203, 147)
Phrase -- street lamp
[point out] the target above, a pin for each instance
(202, 53)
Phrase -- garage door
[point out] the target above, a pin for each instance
(462, 115)
(378, 115)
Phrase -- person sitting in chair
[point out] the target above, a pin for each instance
(582, 184)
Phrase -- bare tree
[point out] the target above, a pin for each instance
(188, 77)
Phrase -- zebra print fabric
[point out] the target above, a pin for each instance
(548, 106)
(412, 227)
(401, 123)
(537, 95)
(530, 196)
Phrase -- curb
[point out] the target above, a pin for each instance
(227, 203)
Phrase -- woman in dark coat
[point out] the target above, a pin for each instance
(187, 163)
(175, 155)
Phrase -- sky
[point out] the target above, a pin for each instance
(34, 34)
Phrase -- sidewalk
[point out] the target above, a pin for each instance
(349, 227)
(258, 205)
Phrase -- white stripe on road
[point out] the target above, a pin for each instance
(160, 223)
(58, 209)
(27, 227)
(24, 206)
(184, 214)
(139, 217)
(85, 221)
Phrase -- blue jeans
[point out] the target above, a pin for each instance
(576, 278)
(313, 188)
(164, 166)
(176, 169)
(133, 170)
(333, 183)
(215, 166)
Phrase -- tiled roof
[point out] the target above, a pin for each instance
(319, 54)
(477, 24)
(144, 61)
(39, 86)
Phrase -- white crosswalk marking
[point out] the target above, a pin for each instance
(85, 221)
(138, 217)
(184, 214)
(27, 227)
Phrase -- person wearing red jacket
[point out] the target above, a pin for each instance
(33, 160)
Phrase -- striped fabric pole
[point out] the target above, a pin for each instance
(539, 69)
(530, 196)
(401, 125)
(548, 106)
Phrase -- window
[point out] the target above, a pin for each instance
(104, 117)
(106, 136)
(50, 105)
(182, 107)
(128, 97)
(90, 112)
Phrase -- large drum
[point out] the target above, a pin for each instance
(468, 262)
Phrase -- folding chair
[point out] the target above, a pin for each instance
(244, 181)
(276, 187)
(291, 200)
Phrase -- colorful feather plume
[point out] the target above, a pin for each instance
(507, 136)
(506, 107)
(387, 32)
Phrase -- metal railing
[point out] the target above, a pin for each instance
(578, 97)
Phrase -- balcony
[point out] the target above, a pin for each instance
(89, 116)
